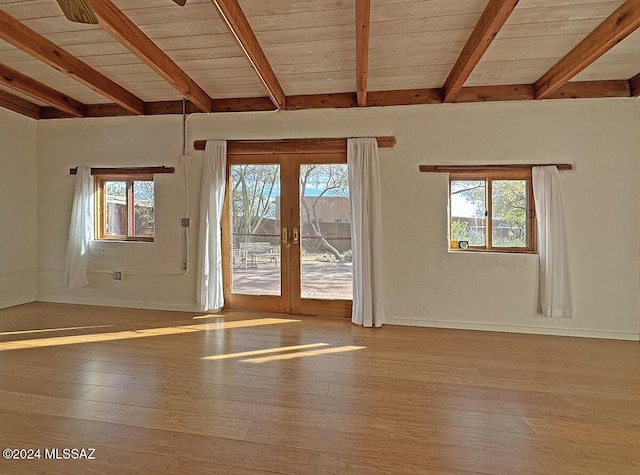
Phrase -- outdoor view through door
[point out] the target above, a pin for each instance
(255, 253)
(289, 234)
(325, 223)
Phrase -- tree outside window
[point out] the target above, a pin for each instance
(492, 212)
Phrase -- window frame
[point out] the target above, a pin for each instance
(100, 206)
(489, 176)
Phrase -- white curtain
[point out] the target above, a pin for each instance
(80, 231)
(209, 249)
(555, 287)
(366, 231)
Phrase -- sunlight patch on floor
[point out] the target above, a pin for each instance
(265, 351)
(144, 333)
(242, 323)
(302, 354)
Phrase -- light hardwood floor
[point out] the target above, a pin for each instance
(248, 393)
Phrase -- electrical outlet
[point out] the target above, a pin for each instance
(185, 222)
(117, 275)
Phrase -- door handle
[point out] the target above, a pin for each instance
(285, 234)
(295, 236)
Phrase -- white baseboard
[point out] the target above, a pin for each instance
(17, 301)
(15, 272)
(119, 303)
(497, 327)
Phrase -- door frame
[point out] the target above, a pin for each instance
(266, 303)
(290, 300)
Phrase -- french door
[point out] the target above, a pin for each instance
(286, 234)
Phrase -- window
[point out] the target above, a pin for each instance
(492, 211)
(125, 208)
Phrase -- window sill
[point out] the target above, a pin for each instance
(487, 251)
(123, 240)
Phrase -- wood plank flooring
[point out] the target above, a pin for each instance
(249, 393)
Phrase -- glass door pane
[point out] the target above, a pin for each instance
(326, 270)
(255, 223)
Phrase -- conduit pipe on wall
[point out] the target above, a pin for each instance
(186, 241)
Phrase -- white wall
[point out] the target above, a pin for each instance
(424, 283)
(113, 142)
(18, 211)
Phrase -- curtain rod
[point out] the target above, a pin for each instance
(485, 168)
(127, 171)
(318, 145)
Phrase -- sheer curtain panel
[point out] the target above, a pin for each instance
(80, 230)
(366, 231)
(555, 287)
(214, 169)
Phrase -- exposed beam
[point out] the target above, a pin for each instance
(118, 25)
(363, 19)
(23, 37)
(515, 92)
(510, 92)
(523, 92)
(587, 89)
(341, 100)
(243, 104)
(404, 97)
(319, 145)
(19, 105)
(239, 27)
(91, 110)
(493, 17)
(634, 84)
(624, 21)
(26, 85)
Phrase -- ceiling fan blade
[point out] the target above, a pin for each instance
(180, 2)
(78, 10)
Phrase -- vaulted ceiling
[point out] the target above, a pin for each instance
(144, 56)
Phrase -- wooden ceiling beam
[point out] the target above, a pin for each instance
(621, 23)
(363, 20)
(588, 89)
(19, 105)
(404, 97)
(243, 104)
(634, 85)
(22, 37)
(374, 99)
(238, 25)
(509, 92)
(340, 100)
(525, 92)
(493, 17)
(26, 85)
(514, 92)
(118, 25)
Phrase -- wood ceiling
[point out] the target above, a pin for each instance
(243, 55)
